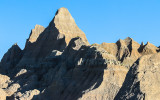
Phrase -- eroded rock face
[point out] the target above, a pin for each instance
(113, 79)
(35, 34)
(55, 37)
(11, 58)
(2, 94)
(128, 50)
(12, 89)
(59, 64)
(4, 80)
(28, 95)
(83, 69)
(66, 25)
(148, 49)
(142, 81)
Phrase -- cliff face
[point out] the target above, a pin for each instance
(56, 36)
(58, 63)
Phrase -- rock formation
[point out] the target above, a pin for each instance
(55, 37)
(58, 63)
(142, 81)
(11, 58)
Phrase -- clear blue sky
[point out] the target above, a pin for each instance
(101, 20)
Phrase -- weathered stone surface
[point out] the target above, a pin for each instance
(148, 49)
(66, 25)
(2, 94)
(4, 80)
(12, 89)
(21, 72)
(82, 71)
(142, 81)
(113, 79)
(28, 95)
(35, 33)
(11, 58)
(55, 37)
(59, 64)
(128, 51)
(125, 50)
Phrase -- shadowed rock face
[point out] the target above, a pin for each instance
(142, 81)
(11, 58)
(58, 63)
(55, 37)
(83, 69)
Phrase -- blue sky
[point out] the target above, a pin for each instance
(101, 20)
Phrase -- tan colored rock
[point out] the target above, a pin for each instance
(66, 25)
(2, 94)
(12, 89)
(83, 70)
(4, 81)
(55, 37)
(113, 79)
(59, 62)
(28, 95)
(133, 47)
(125, 50)
(21, 72)
(111, 48)
(35, 33)
(148, 49)
(142, 81)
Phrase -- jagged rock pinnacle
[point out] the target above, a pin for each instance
(57, 63)
(35, 33)
(56, 36)
(11, 58)
(66, 25)
(142, 43)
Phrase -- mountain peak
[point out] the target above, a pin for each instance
(15, 44)
(63, 11)
(35, 33)
(67, 26)
(128, 38)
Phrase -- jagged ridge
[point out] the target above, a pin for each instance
(58, 63)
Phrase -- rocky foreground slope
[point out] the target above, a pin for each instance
(58, 63)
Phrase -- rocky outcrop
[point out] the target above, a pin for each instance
(128, 51)
(148, 49)
(7, 89)
(35, 34)
(66, 25)
(58, 63)
(2, 94)
(142, 81)
(12, 89)
(28, 95)
(83, 69)
(11, 58)
(4, 80)
(55, 37)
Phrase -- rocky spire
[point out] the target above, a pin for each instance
(66, 25)
(11, 57)
(55, 37)
(142, 43)
(35, 33)
(149, 49)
